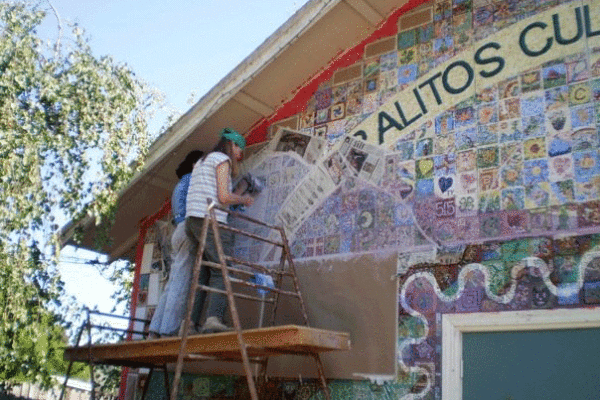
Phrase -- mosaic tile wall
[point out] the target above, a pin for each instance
(519, 158)
(511, 173)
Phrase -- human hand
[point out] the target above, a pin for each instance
(247, 200)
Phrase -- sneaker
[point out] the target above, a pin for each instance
(153, 335)
(191, 330)
(214, 325)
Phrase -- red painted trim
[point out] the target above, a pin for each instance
(145, 224)
(258, 132)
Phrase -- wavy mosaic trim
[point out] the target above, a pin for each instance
(533, 265)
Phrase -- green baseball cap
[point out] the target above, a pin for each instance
(235, 137)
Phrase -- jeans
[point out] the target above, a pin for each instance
(218, 304)
(172, 303)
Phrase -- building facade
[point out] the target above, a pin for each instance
(452, 167)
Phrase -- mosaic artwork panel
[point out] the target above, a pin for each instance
(511, 166)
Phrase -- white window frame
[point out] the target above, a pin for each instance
(454, 325)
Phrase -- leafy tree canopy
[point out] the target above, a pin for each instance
(73, 131)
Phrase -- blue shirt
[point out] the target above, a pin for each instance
(178, 199)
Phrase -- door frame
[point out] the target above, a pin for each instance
(454, 325)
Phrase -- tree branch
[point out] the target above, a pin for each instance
(60, 29)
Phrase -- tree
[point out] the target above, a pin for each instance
(73, 132)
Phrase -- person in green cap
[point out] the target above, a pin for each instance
(212, 179)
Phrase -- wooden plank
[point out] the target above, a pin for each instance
(287, 339)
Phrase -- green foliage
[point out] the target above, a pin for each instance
(73, 132)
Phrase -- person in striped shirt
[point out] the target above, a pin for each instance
(170, 311)
(212, 179)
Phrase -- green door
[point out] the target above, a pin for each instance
(532, 365)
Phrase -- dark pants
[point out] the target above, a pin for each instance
(217, 305)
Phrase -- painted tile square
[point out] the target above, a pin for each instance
(559, 143)
(562, 192)
(424, 168)
(513, 199)
(515, 222)
(442, 46)
(533, 126)
(534, 148)
(405, 150)
(487, 113)
(408, 56)
(558, 121)
(509, 88)
(532, 105)
(424, 187)
(388, 61)
(323, 99)
(425, 33)
(466, 161)
(556, 98)
(371, 84)
(487, 134)
(484, 15)
(511, 176)
(586, 165)
(577, 71)
(462, 21)
(588, 214)
(587, 190)
(585, 139)
(537, 195)
(445, 164)
(582, 116)
(510, 131)
(511, 154)
(424, 147)
(595, 63)
(561, 168)
(444, 123)
(540, 220)
(464, 117)
(531, 81)
(509, 109)
(467, 183)
(579, 93)
(490, 225)
(466, 139)
(407, 39)
(535, 171)
(487, 157)
(466, 205)
(407, 74)
(595, 89)
(444, 144)
(371, 68)
(442, 10)
(488, 180)
(564, 217)
(554, 75)
(487, 95)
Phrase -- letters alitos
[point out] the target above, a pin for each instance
(488, 62)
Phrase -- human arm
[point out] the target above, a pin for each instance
(225, 195)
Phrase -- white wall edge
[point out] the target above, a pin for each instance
(454, 325)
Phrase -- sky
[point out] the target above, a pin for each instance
(182, 48)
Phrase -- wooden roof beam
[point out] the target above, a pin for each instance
(365, 10)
